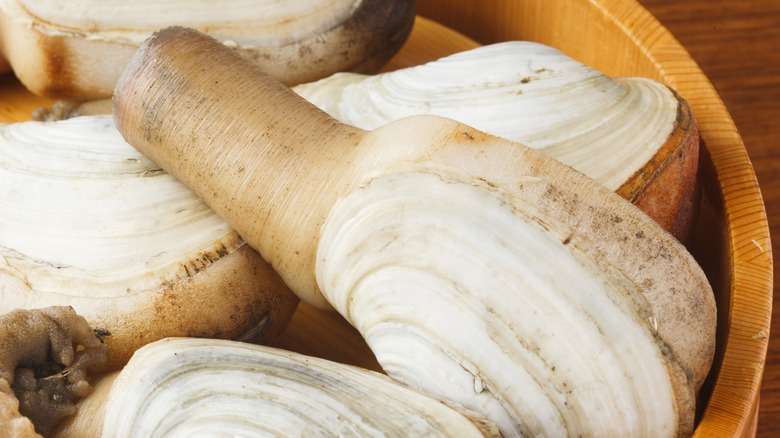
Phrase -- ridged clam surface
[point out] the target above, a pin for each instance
(87, 221)
(77, 49)
(524, 91)
(245, 22)
(191, 387)
(78, 204)
(470, 294)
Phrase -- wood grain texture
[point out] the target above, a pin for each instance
(731, 238)
(737, 45)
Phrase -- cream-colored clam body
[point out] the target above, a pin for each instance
(245, 22)
(475, 267)
(467, 292)
(77, 49)
(87, 221)
(80, 205)
(182, 387)
(528, 92)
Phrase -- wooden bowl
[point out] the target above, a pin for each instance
(730, 237)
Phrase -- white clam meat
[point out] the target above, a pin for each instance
(77, 49)
(72, 197)
(468, 291)
(200, 387)
(524, 91)
(86, 221)
(243, 22)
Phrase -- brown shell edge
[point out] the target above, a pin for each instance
(666, 187)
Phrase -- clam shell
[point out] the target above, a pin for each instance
(186, 387)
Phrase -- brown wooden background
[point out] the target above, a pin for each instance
(737, 45)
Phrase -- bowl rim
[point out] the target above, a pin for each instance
(734, 398)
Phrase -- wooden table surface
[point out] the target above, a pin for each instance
(737, 45)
